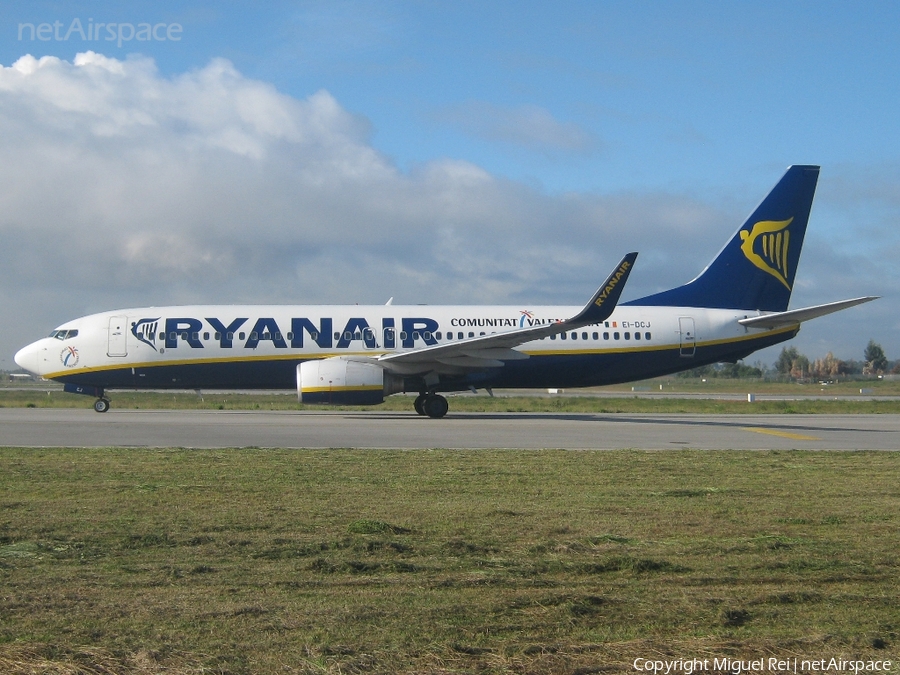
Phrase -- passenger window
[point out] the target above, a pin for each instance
(403, 335)
(357, 336)
(584, 336)
(595, 336)
(348, 335)
(426, 335)
(627, 336)
(553, 337)
(162, 336)
(562, 336)
(615, 336)
(637, 336)
(229, 335)
(415, 335)
(337, 336)
(646, 336)
(290, 336)
(606, 336)
(471, 334)
(218, 335)
(437, 336)
(241, 336)
(196, 336)
(460, 336)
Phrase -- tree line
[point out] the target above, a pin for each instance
(794, 365)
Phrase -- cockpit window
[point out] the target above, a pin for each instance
(63, 334)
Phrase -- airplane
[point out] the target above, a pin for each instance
(358, 355)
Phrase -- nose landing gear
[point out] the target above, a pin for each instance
(101, 405)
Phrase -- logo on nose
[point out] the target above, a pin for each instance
(69, 357)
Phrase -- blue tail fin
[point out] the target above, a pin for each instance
(756, 268)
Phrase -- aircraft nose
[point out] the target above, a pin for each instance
(27, 358)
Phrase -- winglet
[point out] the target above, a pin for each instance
(604, 301)
(490, 351)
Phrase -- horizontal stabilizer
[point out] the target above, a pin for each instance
(779, 319)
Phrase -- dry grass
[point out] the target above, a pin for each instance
(625, 403)
(344, 561)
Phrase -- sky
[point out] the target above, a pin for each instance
(437, 153)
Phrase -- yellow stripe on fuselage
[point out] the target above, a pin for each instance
(299, 357)
(656, 348)
(319, 390)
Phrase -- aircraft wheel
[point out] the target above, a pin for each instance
(101, 405)
(436, 406)
(419, 404)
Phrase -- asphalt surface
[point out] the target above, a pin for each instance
(37, 427)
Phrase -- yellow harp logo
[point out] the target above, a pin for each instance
(770, 252)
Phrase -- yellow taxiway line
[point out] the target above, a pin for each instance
(783, 434)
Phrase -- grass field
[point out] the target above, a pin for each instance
(620, 402)
(434, 561)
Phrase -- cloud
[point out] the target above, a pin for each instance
(529, 127)
(123, 188)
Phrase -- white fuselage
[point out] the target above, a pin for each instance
(235, 346)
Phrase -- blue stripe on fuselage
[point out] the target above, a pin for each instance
(540, 371)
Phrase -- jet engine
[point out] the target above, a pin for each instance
(344, 381)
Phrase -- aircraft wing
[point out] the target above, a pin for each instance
(490, 351)
(778, 319)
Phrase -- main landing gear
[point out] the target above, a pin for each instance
(433, 405)
(101, 405)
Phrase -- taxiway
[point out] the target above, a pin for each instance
(37, 427)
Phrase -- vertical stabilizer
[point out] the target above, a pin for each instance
(755, 270)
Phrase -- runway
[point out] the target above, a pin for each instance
(37, 427)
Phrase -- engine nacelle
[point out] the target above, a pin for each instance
(343, 381)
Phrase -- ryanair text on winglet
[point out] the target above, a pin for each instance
(613, 282)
